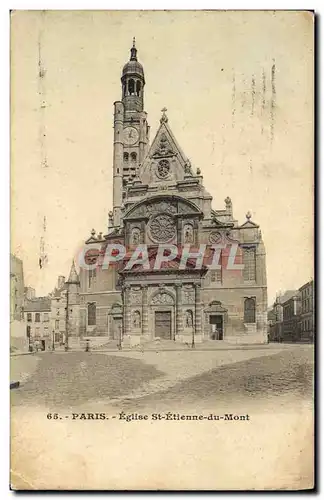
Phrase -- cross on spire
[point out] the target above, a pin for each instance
(133, 51)
(164, 117)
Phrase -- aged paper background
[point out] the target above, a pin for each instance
(259, 155)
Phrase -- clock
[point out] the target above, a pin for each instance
(130, 135)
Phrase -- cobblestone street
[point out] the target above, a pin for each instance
(273, 386)
(161, 379)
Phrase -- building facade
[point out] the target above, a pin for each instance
(292, 316)
(307, 324)
(38, 324)
(158, 199)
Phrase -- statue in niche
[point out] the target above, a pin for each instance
(137, 319)
(136, 236)
(189, 319)
(188, 233)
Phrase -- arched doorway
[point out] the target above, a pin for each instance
(162, 310)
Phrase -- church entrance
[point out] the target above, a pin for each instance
(163, 324)
(216, 327)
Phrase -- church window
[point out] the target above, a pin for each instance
(249, 264)
(131, 87)
(138, 87)
(133, 156)
(92, 313)
(92, 276)
(163, 169)
(249, 310)
(126, 156)
(216, 275)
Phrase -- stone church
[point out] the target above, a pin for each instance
(159, 198)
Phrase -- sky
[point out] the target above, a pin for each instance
(238, 87)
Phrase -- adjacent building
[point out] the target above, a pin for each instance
(38, 324)
(291, 318)
(307, 311)
(16, 289)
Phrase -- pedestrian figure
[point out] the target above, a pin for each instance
(87, 348)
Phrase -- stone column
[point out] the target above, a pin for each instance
(198, 310)
(178, 310)
(144, 311)
(127, 311)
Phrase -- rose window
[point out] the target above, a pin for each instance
(163, 169)
(162, 228)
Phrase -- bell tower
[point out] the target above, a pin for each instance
(131, 131)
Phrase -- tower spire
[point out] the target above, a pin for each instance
(133, 51)
(73, 277)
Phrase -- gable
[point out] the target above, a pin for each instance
(165, 161)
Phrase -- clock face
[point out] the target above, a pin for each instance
(130, 135)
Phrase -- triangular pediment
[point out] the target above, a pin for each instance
(165, 162)
(249, 224)
(165, 145)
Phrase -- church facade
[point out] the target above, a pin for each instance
(159, 199)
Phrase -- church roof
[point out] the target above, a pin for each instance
(38, 304)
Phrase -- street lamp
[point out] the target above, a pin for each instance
(53, 341)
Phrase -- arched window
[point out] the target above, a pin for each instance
(133, 156)
(92, 277)
(249, 310)
(126, 156)
(131, 87)
(138, 87)
(92, 313)
(249, 263)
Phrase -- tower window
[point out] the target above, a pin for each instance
(126, 156)
(131, 87)
(133, 156)
(138, 87)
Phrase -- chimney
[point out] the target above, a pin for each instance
(60, 281)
